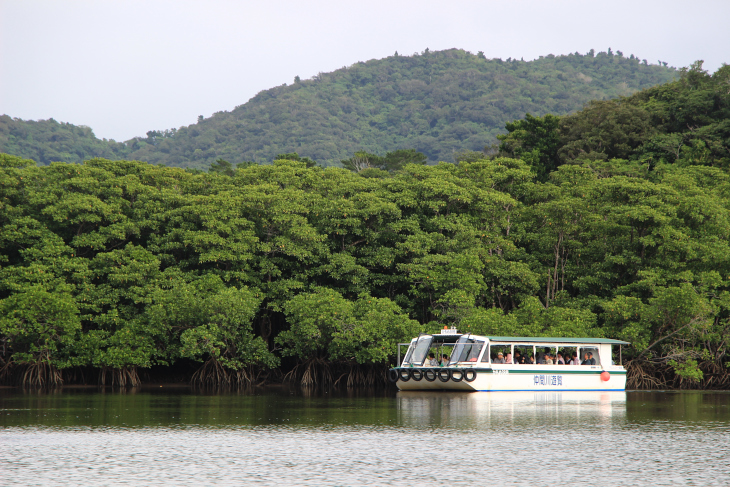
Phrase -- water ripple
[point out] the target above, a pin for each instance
(415, 440)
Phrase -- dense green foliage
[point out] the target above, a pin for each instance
(686, 122)
(118, 266)
(438, 103)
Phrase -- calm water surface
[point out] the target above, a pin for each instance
(278, 437)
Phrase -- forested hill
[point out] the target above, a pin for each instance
(686, 122)
(435, 102)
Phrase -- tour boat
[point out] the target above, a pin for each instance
(494, 363)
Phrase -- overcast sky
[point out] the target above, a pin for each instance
(124, 67)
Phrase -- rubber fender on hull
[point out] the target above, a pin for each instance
(404, 375)
(392, 375)
(457, 375)
(470, 375)
(416, 374)
(430, 375)
(444, 375)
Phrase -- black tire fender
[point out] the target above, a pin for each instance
(430, 375)
(393, 375)
(404, 375)
(470, 375)
(416, 374)
(444, 375)
(457, 375)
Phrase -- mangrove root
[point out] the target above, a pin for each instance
(213, 374)
(39, 374)
(311, 373)
(126, 376)
(363, 376)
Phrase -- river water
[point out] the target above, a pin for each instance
(282, 437)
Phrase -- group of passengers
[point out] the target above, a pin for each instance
(432, 362)
(543, 358)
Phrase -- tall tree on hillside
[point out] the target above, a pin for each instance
(362, 160)
(535, 140)
(221, 166)
(392, 161)
(293, 156)
(397, 159)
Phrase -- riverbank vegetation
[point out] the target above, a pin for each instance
(613, 222)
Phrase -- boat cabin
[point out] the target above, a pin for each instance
(463, 350)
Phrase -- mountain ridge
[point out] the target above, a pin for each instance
(437, 102)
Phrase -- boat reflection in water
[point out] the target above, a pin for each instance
(500, 409)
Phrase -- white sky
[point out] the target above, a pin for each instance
(124, 67)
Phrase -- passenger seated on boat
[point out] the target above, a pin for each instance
(431, 361)
(444, 360)
(519, 358)
(508, 359)
(575, 360)
(499, 359)
(560, 360)
(541, 355)
(589, 360)
(545, 358)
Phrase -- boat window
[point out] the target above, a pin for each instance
(420, 350)
(471, 351)
(589, 356)
(567, 353)
(545, 355)
(500, 353)
(409, 353)
(523, 354)
(464, 348)
(487, 353)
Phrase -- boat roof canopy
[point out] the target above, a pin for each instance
(453, 338)
(556, 340)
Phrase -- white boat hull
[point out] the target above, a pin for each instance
(527, 378)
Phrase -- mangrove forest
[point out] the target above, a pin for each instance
(612, 222)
